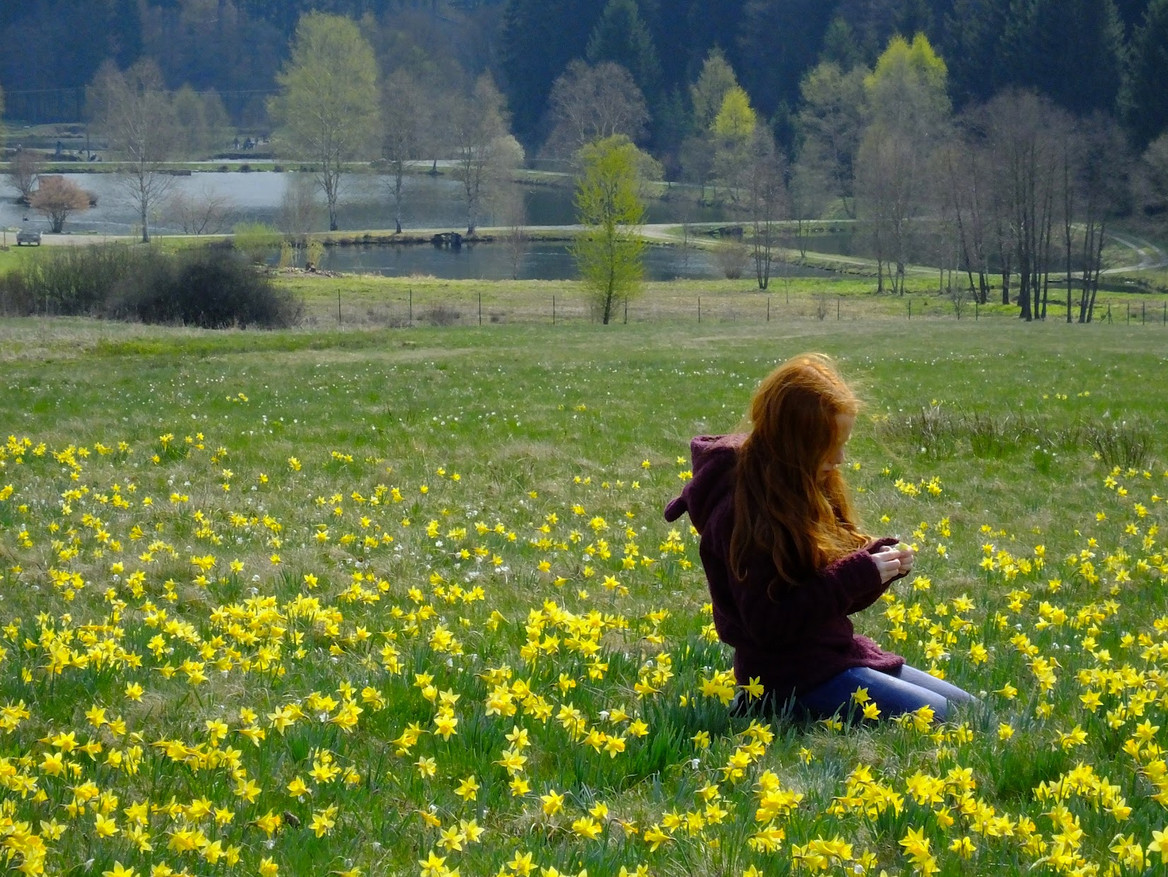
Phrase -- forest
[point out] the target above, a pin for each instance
(1086, 56)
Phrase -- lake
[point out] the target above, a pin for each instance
(365, 203)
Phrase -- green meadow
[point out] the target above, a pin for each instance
(391, 601)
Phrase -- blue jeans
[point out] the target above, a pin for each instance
(900, 691)
(897, 692)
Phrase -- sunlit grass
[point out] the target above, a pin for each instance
(403, 602)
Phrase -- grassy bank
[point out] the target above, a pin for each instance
(402, 602)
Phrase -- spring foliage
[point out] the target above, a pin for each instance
(608, 201)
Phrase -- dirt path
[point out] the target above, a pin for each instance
(1150, 256)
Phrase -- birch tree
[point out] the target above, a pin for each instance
(327, 107)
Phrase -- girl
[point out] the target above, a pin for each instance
(785, 561)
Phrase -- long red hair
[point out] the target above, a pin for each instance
(785, 504)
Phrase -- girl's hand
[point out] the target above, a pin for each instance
(893, 561)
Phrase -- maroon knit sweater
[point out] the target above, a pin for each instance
(803, 636)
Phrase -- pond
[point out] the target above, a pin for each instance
(538, 260)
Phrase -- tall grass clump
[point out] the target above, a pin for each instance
(210, 287)
(1127, 444)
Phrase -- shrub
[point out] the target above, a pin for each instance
(256, 240)
(66, 281)
(210, 287)
(731, 257)
(441, 315)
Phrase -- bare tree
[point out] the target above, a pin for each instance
(203, 212)
(57, 198)
(22, 173)
(966, 198)
(590, 103)
(887, 178)
(483, 149)
(402, 119)
(1098, 186)
(134, 111)
(511, 210)
(298, 206)
(1024, 133)
(1152, 176)
(766, 196)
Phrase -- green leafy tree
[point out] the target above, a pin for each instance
(706, 95)
(715, 79)
(327, 106)
(608, 201)
(908, 89)
(829, 127)
(736, 118)
(732, 130)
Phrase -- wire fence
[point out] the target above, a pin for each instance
(445, 307)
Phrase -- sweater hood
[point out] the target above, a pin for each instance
(714, 458)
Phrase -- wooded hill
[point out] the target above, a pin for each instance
(1085, 55)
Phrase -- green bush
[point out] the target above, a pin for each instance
(256, 240)
(210, 287)
(68, 281)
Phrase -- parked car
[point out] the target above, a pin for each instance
(29, 236)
